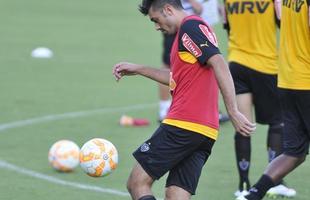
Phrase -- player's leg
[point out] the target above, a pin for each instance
(275, 172)
(275, 140)
(177, 193)
(275, 148)
(242, 81)
(145, 172)
(243, 145)
(139, 184)
(268, 111)
(296, 106)
(183, 179)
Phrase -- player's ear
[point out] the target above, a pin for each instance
(168, 10)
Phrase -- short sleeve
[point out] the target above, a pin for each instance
(198, 39)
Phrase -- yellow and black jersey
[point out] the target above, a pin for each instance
(294, 65)
(252, 26)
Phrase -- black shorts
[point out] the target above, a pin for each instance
(181, 152)
(167, 46)
(296, 109)
(264, 89)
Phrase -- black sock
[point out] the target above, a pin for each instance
(243, 157)
(259, 190)
(147, 197)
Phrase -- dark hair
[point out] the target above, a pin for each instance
(145, 6)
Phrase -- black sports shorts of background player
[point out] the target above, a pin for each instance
(296, 104)
(264, 90)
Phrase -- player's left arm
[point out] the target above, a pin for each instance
(226, 84)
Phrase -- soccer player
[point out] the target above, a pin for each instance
(183, 142)
(294, 84)
(252, 56)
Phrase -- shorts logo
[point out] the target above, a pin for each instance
(209, 34)
(244, 165)
(144, 147)
(190, 45)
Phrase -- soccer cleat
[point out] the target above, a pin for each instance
(130, 121)
(281, 191)
(239, 193)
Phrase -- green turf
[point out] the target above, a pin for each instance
(87, 38)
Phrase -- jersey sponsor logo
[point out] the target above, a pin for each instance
(247, 6)
(190, 45)
(209, 34)
(295, 5)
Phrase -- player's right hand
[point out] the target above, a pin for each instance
(124, 69)
(242, 124)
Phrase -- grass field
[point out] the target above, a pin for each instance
(74, 96)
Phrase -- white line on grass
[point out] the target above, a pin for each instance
(69, 115)
(20, 170)
(48, 118)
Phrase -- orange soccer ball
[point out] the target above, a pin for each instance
(98, 157)
(64, 155)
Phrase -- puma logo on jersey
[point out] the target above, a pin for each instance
(295, 5)
(204, 45)
(247, 6)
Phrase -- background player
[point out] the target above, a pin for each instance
(252, 57)
(294, 84)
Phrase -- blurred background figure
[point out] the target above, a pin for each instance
(209, 11)
(294, 86)
(253, 65)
